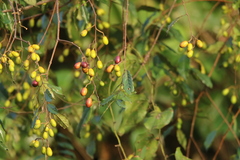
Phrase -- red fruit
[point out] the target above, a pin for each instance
(84, 91)
(84, 64)
(34, 83)
(77, 65)
(117, 59)
(89, 102)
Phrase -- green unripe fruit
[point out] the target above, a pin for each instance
(53, 123)
(36, 144)
(49, 152)
(45, 135)
(234, 99)
(101, 83)
(66, 52)
(31, 23)
(61, 58)
(184, 102)
(99, 136)
(44, 149)
(77, 74)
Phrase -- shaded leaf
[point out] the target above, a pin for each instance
(183, 66)
(158, 119)
(52, 109)
(181, 138)
(69, 153)
(203, 77)
(127, 82)
(91, 147)
(209, 139)
(179, 155)
(61, 120)
(85, 114)
(2, 136)
(48, 96)
(173, 22)
(107, 100)
(65, 145)
(120, 103)
(187, 90)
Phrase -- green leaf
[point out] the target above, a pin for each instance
(65, 145)
(107, 100)
(127, 82)
(48, 95)
(173, 22)
(85, 114)
(52, 109)
(2, 136)
(187, 90)
(209, 139)
(68, 153)
(183, 66)
(56, 89)
(181, 138)
(203, 77)
(158, 119)
(31, 2)
(61, 120)
(91, 147)
(179, 155)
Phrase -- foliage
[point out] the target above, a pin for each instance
(119, 79)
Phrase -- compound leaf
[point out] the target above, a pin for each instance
(127, 82)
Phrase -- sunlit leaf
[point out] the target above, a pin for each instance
(210, 137)
(85, 114)
(158, 119)
(179, 155)
(127, 82)
(56, 89)
(181, 138)
(52, 109)
(61, 120)
(31, 2)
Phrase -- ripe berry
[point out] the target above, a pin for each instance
(77, 65)
(183, 44)
(110, 68)
(84, 91)
(84, 64)
(34, 83)
(117, 59)
(89, 102)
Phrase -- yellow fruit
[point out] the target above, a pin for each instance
(33, 74)
(61, 58)
(117, 68)
(190, 53)
(36, 46)
(84, 33)
(26, 94)
(7, 103)
(46, 128)
(10, 62)
(184, 102)
(100, 12)
(44, 149)
(93, 53)
(199, 43)
(91, 72)
(4, 58)
(100, 26)
(41, 69)
(183, 44)
(15, 54)
(88, 52)
(53, 122)
(45, 135)
(99, 136)
(105, 40)
(101, 83)
(49, 152)
(30, 49)
(34, 56)
(77, 74)
(26, 63)
(11, 68)
(66, 52)
(1, 66)
(190, 46)
(88, 26)
(19, 97)
(37, 58)
(26, 85)
(87, 135)
(118, 73)
(225, 91)
(105, 24)
(36, 144)
(32, 143)
(38, 78)
(99, 64)
(234, 99)
(18, 60)
(37, 124)
(51, 133)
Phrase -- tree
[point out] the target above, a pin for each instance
(119, 79)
